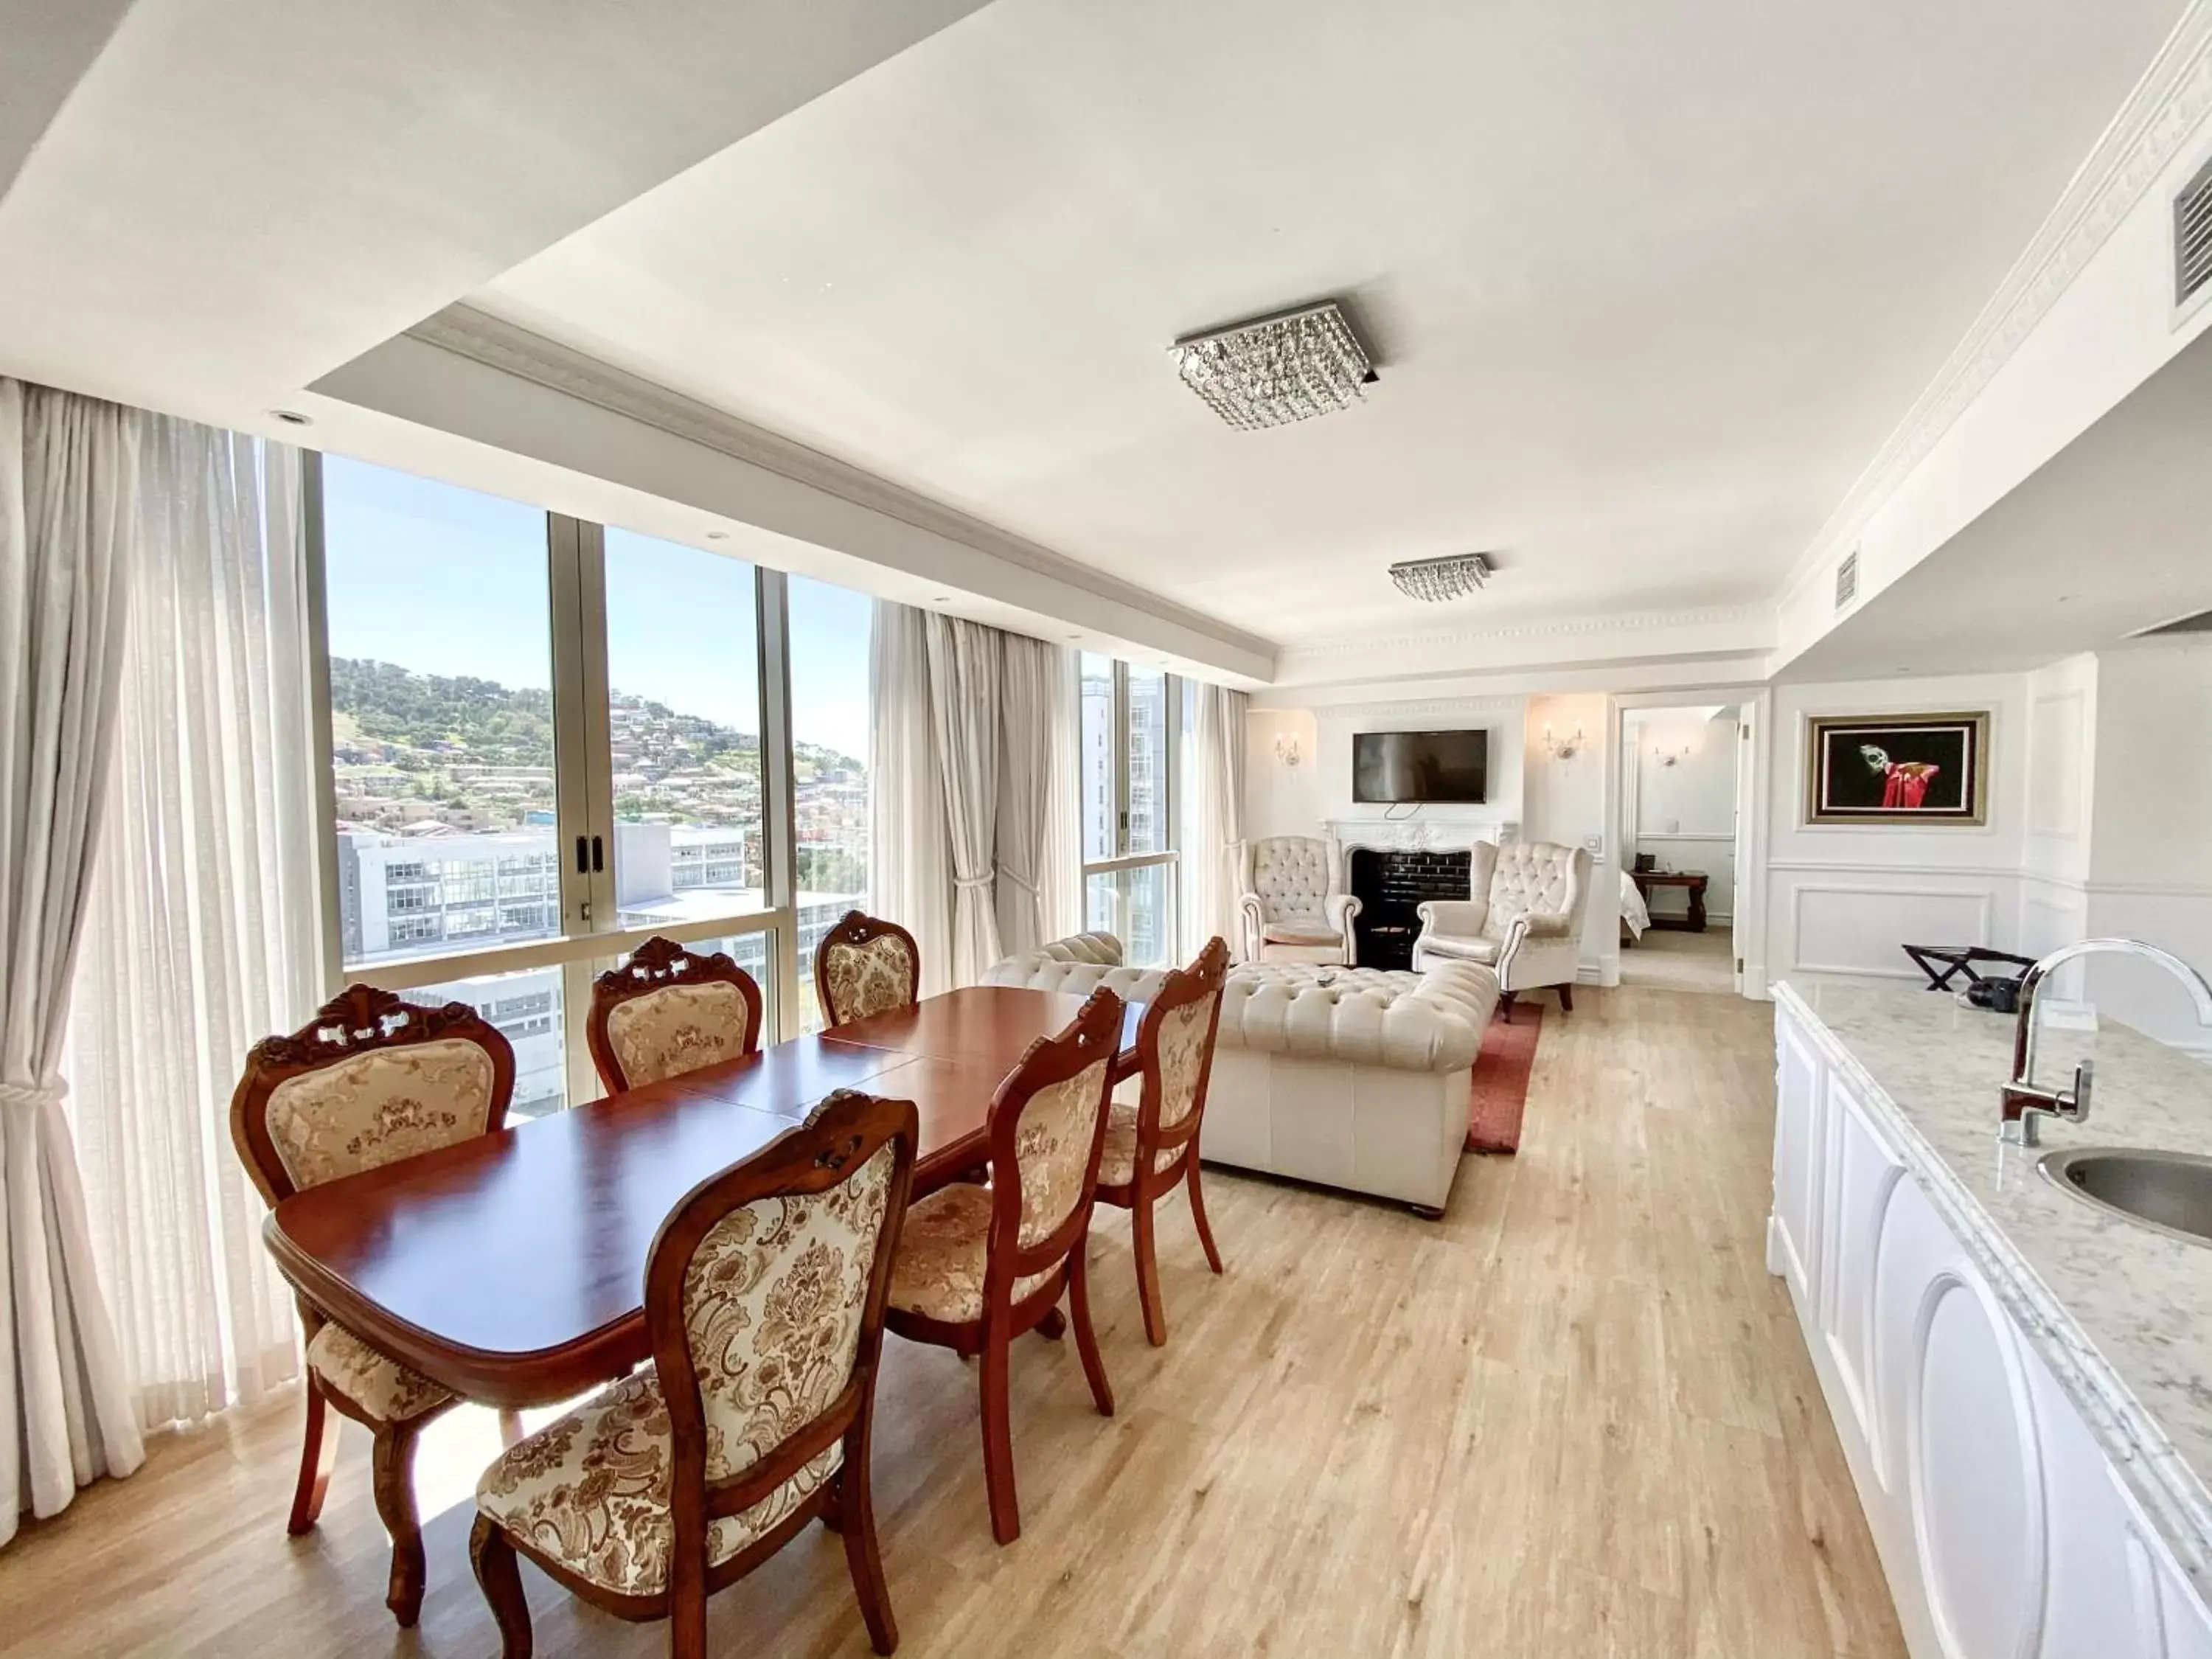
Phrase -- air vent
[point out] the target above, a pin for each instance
(2199, 622)
(1847, 579)
(2192, 237)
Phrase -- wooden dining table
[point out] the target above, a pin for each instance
(510, 1267)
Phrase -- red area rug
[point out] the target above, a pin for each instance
(1501, 1080)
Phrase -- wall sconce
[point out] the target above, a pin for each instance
(1286, 749)
(1562, 749)
(1670, 757)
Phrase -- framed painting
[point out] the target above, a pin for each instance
(1918, 770)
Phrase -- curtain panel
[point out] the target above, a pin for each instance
(910, 880)
(1214, 777)
(1040, 874)
(69, 482)
(965, 660)
(204, 920)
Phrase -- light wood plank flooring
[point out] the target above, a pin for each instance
(1575, 1418)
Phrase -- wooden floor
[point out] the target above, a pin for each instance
(1574, 1418)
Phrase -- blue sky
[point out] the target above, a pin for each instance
(444, 580)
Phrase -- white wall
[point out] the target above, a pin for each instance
(1846, 899)
(1685, 812)
(2062, 745)
(1566, 802)
(2150, 854)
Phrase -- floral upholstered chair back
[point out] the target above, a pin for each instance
(369, 1081)
(1184, 1019)
(864, 966)
(669, 1010)
(765, 1290)
(1049, 1121)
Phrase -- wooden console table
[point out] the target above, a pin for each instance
(1691, 881)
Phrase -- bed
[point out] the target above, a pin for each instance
(1634, 917)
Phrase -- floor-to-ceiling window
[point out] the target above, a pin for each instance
(1131, 740)
(549, 741)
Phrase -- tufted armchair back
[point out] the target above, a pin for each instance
(1293, 875)
(1531, 877)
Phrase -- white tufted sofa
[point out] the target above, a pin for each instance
(1527, 922)
(1293, 905)
(1357, 1078)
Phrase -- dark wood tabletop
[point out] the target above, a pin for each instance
(511, 1267)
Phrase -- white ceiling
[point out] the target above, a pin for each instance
(2112, 535)
(1649, 283)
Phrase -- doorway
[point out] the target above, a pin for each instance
(1683, 795)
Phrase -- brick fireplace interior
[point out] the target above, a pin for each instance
(1390, 883)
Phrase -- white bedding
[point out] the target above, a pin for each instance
(1632, 910)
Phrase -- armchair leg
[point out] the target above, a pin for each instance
(1505, 1006)
(1566, 998)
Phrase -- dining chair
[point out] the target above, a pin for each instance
(668, 1010)
(764, 1305)
(865, 966)
(978, 1265)
(370, 1079)
(1151, 1142)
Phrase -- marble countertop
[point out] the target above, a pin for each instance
(2122, 1315)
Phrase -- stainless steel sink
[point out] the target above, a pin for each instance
(2168, 1192)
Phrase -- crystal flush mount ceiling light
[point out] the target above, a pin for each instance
(1452, 577)
(1273, 370)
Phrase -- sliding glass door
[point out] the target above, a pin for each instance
(548, 741)
(1131, 732)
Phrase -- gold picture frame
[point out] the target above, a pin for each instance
(1920, 771)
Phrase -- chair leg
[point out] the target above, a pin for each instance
(687, 1622)
(856, 1509)
(1086, 1340)
(1053, 1325)
(510, 1427)
(1141, 1245)
(1566, 998)
(1198, 1214)
(317, 1457)
(492, 1557)
(392, 1462)
(1505, 1006)
(999, 1438)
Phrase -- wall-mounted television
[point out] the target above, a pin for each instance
(1394, 767)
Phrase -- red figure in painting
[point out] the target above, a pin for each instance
(1905, 783)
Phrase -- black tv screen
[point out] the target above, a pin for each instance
(1420, 766)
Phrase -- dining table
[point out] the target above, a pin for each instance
(510, 1267)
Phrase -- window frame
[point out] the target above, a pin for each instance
(1171, 802)
(589, 937)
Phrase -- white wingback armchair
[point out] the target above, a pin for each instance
(1293, 902)
(1525, 920)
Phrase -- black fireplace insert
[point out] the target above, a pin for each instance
(1390, 883)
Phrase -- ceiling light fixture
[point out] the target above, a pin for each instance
(1452, 577)
(1270, 371)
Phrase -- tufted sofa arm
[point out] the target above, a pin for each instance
(1077, 966)
(1431, 1022)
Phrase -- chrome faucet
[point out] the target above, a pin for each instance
(2023, 1100)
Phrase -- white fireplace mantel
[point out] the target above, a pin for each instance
(1424, 831)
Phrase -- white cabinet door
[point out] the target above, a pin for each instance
(1862, 1176)
(1794, 1232)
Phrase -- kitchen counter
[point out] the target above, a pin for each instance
(2120, 1315)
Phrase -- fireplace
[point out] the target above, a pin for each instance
(1390, 883)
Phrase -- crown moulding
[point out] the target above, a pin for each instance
(513, 349)
(1450, 638)
(2144, 139)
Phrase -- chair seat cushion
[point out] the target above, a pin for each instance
(943, 1245)
(589, 1491)
(1460, 948)
(1300, 933)
(1117, 1165)
(381, 1386)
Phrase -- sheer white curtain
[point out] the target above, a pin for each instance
(204, 936)
(1039, 871)
(1214, 777)
(965, 659)
(68, 479)
(910, 878)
